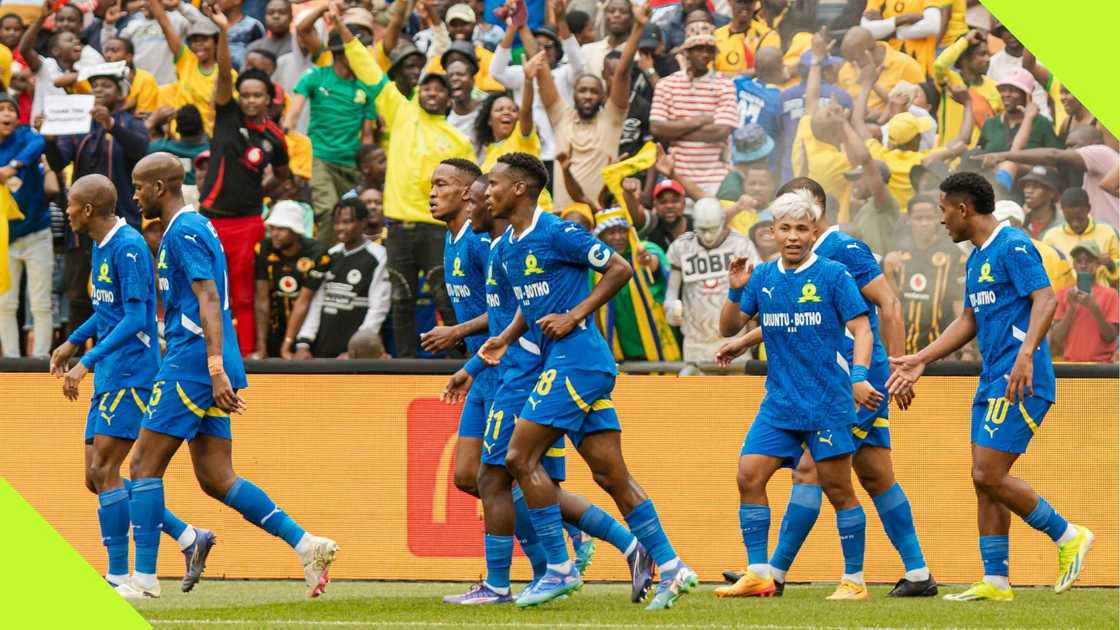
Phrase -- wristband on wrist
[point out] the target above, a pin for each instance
(735, 295)
(214, 365)
(859, 374)
(474, 366)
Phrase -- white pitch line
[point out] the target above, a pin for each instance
(444, 624)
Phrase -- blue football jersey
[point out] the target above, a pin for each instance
(122, 272)
(547, 268)
(860, 262)
(464, 273)
(761, 104)
(803, 313)
(190, 251)
(522, 363)
(999, 278)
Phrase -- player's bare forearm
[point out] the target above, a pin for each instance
(860, 327)
(751, 339)
(891, 326)
(261, 308)
(1043, 306)
(516, 328)
(475, 326)
(299, 312)
(731, 319)
(210, 312)
(955, 336)
(616, 276)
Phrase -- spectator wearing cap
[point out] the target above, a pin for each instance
(28, 245)
(1087, 320)
(903, 98)
(284, 261)
(911, 26)
(928, 177)
(115, 143)
(927, 269)
(792, 101)
(1080, 227)
(1041, 187)
(143, 91)
(192, 139)
(1090, 150)
(559, 45)
(969, 55)
(342, 117)
(759, 100)
(460, 27)
(675, 21)
(278, 27)
(422, 138)
(1006, 61)
(904, 136)
(1055, 262)
(250, 160)
(741, 38)
(873, 210)
(667, 221)
(896, 66)
(195, 63)
(589, 130)
(618, 20)
(148, 39)
(694, 112)
(1000, 130)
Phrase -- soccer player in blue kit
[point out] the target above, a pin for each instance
(125, 359)
(871, 433)
(504, 506)
(1009, 306)
(546, 260)
(804, 304)
(196, 387)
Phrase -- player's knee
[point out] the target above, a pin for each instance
(839, 492)
(750, 485)
(98, 475)
(805, 473)
(216, 484)
(519, 463)
(92, 487)
(875, 482)
(984, 477)
(466, 482)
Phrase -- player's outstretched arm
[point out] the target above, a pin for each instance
(1043, 305)
(210, 312)
(864, 394)
(616, 275)
(444, 337)
(735, 348)
(906, 370)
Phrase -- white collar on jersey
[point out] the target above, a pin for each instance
(994, 233)
(513, 237)
(181, 212)
(805, 264)
(112, 232)
(825, 234)
(462, 231)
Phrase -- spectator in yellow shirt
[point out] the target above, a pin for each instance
(196, 63)
(904, 137)
(1080, 227)
(143, 93)
(910, 26)
(970, 56)
(738, 41)
(857, 44)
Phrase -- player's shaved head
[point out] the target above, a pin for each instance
(855, 42)
(97, 191)
(159, 166)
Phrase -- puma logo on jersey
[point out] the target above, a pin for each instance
(534, 403)
(1021, 248)
(192, 238)
(489, 447)
(853, 246)
(825, 439)
(767, 291)
(991, 431)
(131, 255)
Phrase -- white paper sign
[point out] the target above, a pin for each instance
(66, 114)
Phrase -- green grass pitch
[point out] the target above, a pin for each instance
(280, 604)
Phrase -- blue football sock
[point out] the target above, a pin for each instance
(255, 506)
(550, 531)
(172, 525)
(145, 510)
(994, 553)
(801, 514)
(646, 527)
(113, 516)
(852, 524)
(1046, 519)
(527, 536)
(573, 531)
(898, 520)
(602, 526)
(499, 556)
(754, 524)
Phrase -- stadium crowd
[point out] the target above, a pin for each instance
(667, 126)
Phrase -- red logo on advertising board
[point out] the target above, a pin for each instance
(443, 522)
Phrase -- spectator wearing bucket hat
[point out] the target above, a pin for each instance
(287, 261)
(750, 149)
(999, 132)
(694, 112)
(342, 118)
(456, 42)
(1003, 63)
(1041, 187)
(1088, 317)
